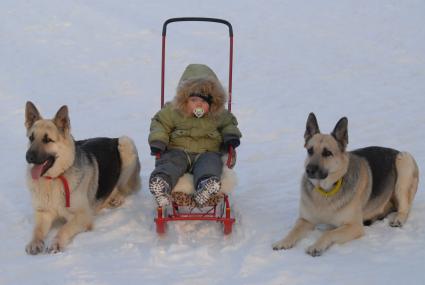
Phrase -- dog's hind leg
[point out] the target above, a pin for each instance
(114, 200)
(388, 208)
(129, 180)
(405, 187)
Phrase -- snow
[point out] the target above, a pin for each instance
(360, 59)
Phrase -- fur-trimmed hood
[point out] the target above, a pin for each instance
(199, 78)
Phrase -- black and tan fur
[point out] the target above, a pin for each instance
(100, 172)
(375, 182)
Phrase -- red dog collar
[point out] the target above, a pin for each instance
(65, 187)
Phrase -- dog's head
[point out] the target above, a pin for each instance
(51, 148)
(327, 160)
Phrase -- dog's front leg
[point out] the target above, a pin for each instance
(43, 222)
(301, 228)
(81, 221)
(339, 235)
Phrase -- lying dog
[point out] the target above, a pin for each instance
(349, 189)
(72, 180)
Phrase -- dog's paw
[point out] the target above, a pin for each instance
(54, 248)
(116, 201)
(396, 223)
(398, 220)
(35, 247)
(315, 251)
(283, 244)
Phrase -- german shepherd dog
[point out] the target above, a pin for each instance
(72, 180)
(348, 190)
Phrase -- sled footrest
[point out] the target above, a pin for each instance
(190, 213)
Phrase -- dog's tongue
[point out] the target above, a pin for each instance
(36, 170)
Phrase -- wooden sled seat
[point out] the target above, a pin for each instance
(185, 200)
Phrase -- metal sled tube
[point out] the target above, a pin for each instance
(210, 215)
(197, 19)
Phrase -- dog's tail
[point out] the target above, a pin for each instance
(129, 180)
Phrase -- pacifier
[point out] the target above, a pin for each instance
(198, 112)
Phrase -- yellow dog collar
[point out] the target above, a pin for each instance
(333, 191)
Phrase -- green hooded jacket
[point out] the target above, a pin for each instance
(173, 128)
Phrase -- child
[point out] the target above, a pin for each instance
(189, 134)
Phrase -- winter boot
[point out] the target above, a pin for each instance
(206, 189)
(160, 190)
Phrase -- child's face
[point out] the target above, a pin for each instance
(197, 102)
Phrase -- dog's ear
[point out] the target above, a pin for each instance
(31, 114)
(61, 119)
(340, 133)
(311, 128)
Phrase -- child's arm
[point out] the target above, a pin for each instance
(160, 129)
(230, 131)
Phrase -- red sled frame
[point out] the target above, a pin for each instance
(209, 213)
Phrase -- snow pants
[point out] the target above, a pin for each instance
(174, 163)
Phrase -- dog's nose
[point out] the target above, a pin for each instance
(315, 172)
(311, 170)
(30, 156)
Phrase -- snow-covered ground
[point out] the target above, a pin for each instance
(360, 59)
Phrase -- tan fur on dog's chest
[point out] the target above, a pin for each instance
(321, 210)
(335, 210)
(48, 195)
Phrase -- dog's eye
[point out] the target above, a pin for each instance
(46, 139)
(31, 138)
(310, 151)
(326, 153)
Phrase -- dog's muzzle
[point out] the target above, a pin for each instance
(41, 163)
(313, 171)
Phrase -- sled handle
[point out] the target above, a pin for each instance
(197, 19)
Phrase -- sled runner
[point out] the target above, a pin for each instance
(182, 207)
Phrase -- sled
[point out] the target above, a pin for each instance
(217, 208)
